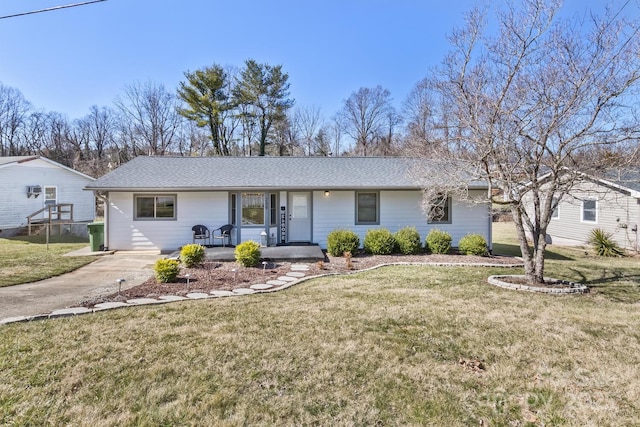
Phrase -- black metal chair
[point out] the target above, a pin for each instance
(225, 233)
(200, 232)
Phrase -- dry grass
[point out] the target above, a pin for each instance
(382, 347)
(27, 260)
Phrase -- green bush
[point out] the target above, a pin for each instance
(603, 243)
(166, 270)
(473, 244)
(408, 241)
(438, 241)
(192, 254)
(379, 241)
(341, 241)
(248, 253)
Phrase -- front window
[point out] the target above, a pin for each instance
(440, 210)
(252, 208)
(367, 211)
(590, 210)
(155, 207)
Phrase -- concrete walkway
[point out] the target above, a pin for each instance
(296, 275)
(97, 278)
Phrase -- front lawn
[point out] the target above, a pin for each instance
(617, 278)
(26, 259)
(394, 346)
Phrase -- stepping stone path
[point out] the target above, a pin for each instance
(222, 293)
(295, 274)
(198, 295)
(298, 271)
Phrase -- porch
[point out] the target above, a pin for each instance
(294, 253)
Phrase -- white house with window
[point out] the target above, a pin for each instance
(153, 202)
(612, 204)
(43, 189)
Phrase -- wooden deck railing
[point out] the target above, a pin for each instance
(62, 212)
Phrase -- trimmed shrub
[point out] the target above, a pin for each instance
(248, 253)
(473, 244)
(192, 254)
(408, 241)
(379, 241)
(341, 241)
(166, 270)
(438, 242)
(603, 243)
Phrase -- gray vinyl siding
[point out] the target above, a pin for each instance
(15, 206)
(617, 213)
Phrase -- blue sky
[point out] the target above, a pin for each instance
(71, 59)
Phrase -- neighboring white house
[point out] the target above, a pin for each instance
(31, 183)
(611, 204)
(153, 202)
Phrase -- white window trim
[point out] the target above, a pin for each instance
(582, 211)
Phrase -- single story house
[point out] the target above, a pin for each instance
(611, 203)
(153, 202)
(43, 189)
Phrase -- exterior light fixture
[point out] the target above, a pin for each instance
(327, 193)
(263, 238)
(120, 281)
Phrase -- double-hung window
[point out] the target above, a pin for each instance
(440, 210)
(367, 207)
(590, 210)
(155, 207)
(252, 208)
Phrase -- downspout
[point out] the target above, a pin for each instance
(105, 200)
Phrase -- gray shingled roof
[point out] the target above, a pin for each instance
(228, 173)
(629, 178)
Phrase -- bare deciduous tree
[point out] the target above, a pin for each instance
(14, 109)
(535, 100)
(364, 116)
(148, 112)
(94, 135)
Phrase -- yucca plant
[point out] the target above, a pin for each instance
(603, 243)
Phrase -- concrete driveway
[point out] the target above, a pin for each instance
(97, 278)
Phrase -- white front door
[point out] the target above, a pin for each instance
(299, 217)
(50, 199)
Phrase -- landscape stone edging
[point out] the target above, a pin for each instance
(18, 319)
(575, 288)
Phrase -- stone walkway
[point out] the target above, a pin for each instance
(298, 272)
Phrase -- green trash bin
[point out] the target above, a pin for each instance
(96, 236)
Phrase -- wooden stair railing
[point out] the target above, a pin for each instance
(55, 213)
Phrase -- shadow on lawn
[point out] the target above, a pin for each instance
(608, 284)
(514, 250)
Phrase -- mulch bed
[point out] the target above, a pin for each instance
(216, 275)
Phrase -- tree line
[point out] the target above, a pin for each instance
(214, 111)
